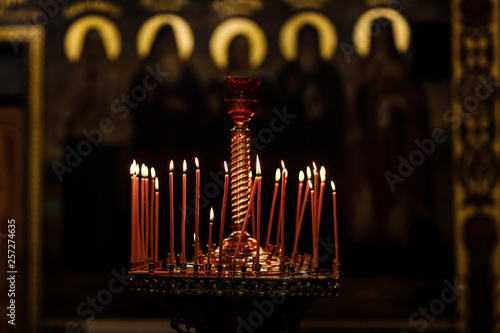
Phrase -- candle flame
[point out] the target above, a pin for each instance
(157, 184)
(322, 169)
(333, 186)
(310, 183)
(132, 168)
(308, 170)
(171, 167)
(282, 164)
(153, 173)
(144, 170)
(211, 214)
(194, 237)
(197, 162)
(184, 166)
(314, 167)
(285, 171)
(137, 169)
(258, 166)
(322, 174)
(278, 175)
(225, 167)
(301, 176)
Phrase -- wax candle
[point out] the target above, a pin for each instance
(143, 209)
(151, 212)
(210, 228)
(250, 181)
(322, 174)
(183, 224)
(314, 226)
(245, 224)
(302, 212)
(299, 198)
(132, 212)
(171, 198)
(197, 211)
(271, 214)
(157, 200)
(334, 195)
(146, 214)
(259, 181)
(282, 212)
(223, 212)
(316, 186)
(137, 213)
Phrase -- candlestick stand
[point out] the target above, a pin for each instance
(242, 294)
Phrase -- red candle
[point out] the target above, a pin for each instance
(314, 227)
(316, 185)
(299, 198)
(211, 225)
(322, 174)
(259, 181)
(302, 212)
(252, 204)
(171, 197)
(223, 213)
(334, 195)
(146, 214)
(197, 211)
(143, 206)
(132, 212)
(282, 212)
(136, 217)
(183, 225)
(151, 244)
(157, 200)
(245, 224)
(271, 214)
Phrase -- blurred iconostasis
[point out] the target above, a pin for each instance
(364, 88)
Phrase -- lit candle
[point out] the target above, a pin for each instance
(151, 212)
(314, 226)
(322, 176)
(245, 224)
(137, 213)
(223, 213)
(275, 194)
(146, 214)
(299, 198)
(334, 194)
(183, 225)
(132, 213)
(157, 200)
(316, 185)
(302, 212)
(259, 182)
(144, 174)
(171, 198)
(197, 211)
(282, 212)
(209, 253)
(250, 180)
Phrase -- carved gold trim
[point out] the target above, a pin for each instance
(34, 37)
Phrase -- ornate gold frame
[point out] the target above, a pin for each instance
(34, 38)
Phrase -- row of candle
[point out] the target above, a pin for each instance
(140, 240)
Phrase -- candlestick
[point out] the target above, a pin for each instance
(275, 194)
(223, 212)
(322, 175)
(197, 211)
(151, 212)
(157, 200)
(299, 198)
(171, 197)
(209, 252)
(132, 212)
(334, 195)
(302, 212)
(245, 223)
(183, 225)
(259, 181)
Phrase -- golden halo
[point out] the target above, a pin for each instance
(327, 34)
(183, 34)
(224, 34)
(362, 32)
(77, 31)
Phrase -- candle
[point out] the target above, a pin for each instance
(157, 200)
(197, 211)
(275, 194)
(316, 185)
(334, 195)
(299, 198)
(259, 181)
(151, 212)
(302, 212)
(282, 212)
(209, 253)
(245, 223)
(146, 206)
(183, 224)
(223, 213)
(314, 226)
(137, 227)
(322, 175)
(250, 180)
(171, 198)
(132, 212)
(143, 203)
